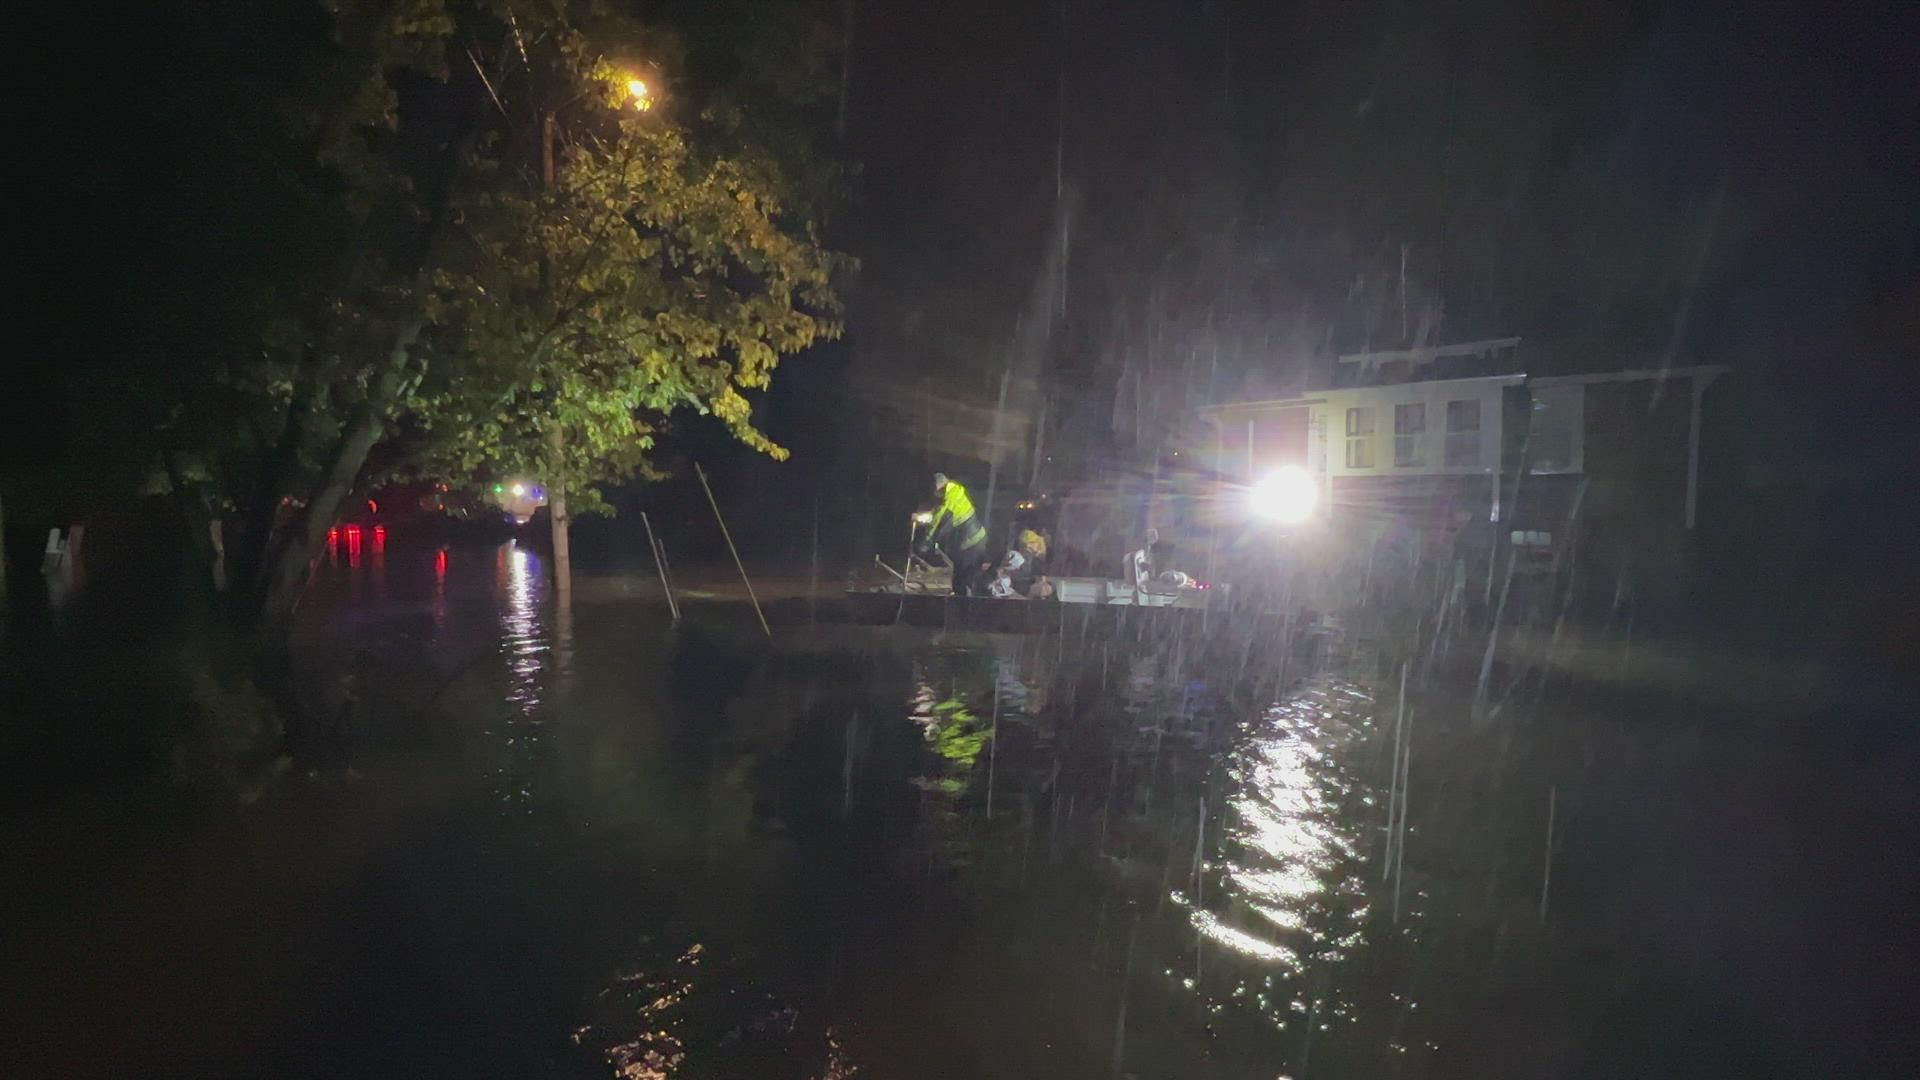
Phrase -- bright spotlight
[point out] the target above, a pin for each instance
(519, 490)
(1285, 495)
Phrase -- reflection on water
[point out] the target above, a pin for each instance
(531, 670)
(438, 608)
(377, 561)
(522, 637)
(697, 1015)
(1285, 887)
(953, 730)
(959, 723)
(655, 1051)
(1058, 789)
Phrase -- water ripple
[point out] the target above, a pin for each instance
(1283, 887)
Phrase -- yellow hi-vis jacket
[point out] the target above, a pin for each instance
(956, 511)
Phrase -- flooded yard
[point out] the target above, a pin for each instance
(571, 839)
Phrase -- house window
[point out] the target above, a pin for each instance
(1360, 429)
(1409, 434)
(1556, 422)
(1463, 433)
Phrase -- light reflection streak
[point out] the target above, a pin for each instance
(691, 1016)
(1287, 891)
(523, 642)
(377, 562)
(954, 732)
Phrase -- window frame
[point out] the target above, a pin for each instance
(1365, 442)
(1454, 439)
(1416, 438)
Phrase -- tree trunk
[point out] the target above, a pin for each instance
(561, 520)
(558, 517)
(284, 572)
(276, 560)
(198, 514)
(249, 549)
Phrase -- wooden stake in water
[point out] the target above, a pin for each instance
(660, 564)
(1400, 845)
(1199, 846)
(1393, 779)
(993, 742)
(1400, 848)
(813, 581)
(715, 503)
(1546, 872)
(1126, 992)
(846, 765)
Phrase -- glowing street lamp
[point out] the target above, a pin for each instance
(642, 98)
(519, 490)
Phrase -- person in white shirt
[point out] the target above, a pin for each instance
(1139, 565)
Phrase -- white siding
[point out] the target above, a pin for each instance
(1373, 444)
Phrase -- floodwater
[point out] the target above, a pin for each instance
(573, 840)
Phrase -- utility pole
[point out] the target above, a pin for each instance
(846, 73)
(561, 520)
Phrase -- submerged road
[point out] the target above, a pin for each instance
(569, 840)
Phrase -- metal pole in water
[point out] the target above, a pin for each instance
(1393, 779)
(660, 564)
(1400, 846)
(813, 582)
(993, 741)
(906, 578)
(715, 503)
(1546, 872)
(1126, 991)
(846, 766)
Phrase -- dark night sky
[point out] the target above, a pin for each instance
(1588, 149)
(1554, 171)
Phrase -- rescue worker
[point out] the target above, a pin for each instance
(1021, 565)
(1139, 566)
(959, 531)
(1034, 543)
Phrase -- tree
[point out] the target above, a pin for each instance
(371, 277)
(642, 277)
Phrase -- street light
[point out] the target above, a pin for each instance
(519, 490)
(642, 98)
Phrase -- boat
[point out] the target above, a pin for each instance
(923, 594)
